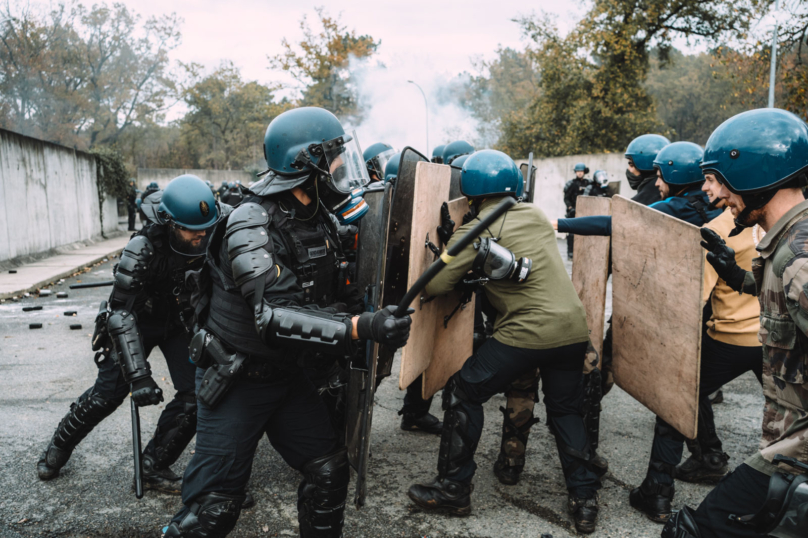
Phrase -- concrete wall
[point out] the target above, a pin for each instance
(48, 197)
(163, 175)
(554, 172)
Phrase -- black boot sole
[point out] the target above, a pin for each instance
(451, 510)
(414, 428)
(704, 478)
(585, 529)
(160, 488)
(49, 476)
(656, 517)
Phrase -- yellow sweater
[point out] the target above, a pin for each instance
(736, 317)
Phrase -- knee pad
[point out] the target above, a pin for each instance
(321, 496)
(212, 515)
(682, 525)
(453, 395)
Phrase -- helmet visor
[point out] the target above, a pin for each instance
(379, 162)
(602, 178)
(188, 242)
(346, 166)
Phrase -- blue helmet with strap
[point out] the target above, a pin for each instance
(437, 154)
(679, 163)
(391, 169)
(455, 149)
(490, 173)
(581, 167)
(187, 202)
(758, 150)
(643, 150)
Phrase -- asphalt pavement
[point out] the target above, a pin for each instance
(44, 370)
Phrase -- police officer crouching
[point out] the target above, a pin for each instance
(553, 337)
(149, 307)
(273, 295)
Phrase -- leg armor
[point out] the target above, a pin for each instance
(593, 394)
(682, 525)
(517, 420)
(84, 415)
(212, 515)
(321, 496)
(168, 443)
(456, 448)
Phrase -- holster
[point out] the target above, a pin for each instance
(223, 370)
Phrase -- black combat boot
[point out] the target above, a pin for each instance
(443, 494)
(163, 480)
(427, 423)
(84, 415)
(584, 513)
(653, 499)
(212, 515)
(507, 470)
(706, 468)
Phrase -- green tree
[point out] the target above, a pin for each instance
(226, 118)
(592, 94)
(320, 63)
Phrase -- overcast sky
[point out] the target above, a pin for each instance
(443, 34)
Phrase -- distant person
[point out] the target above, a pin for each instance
(131, 203)
(572, 189)
(150, 189)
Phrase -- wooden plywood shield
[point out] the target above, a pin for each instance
(590, 272)
(434, 349)
(657, 270)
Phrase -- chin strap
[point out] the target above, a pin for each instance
(752, 202)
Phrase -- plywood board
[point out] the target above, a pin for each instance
(657, 268)
(428, 337)
(590, 272)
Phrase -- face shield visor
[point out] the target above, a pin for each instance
(495, 262)
(379, 162)
(602, 178)
(346, 166)
(187, 242)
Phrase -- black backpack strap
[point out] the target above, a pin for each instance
(698, 204)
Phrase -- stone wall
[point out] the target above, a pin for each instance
(552, 173)
(163, 175)
(48, 197)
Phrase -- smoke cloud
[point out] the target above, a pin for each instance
(392, 109)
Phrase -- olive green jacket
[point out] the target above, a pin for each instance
(543, 312)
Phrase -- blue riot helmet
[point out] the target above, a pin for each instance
(601, 177)
(458, 162)
(643, 150)
(455, 149)
(437, 154)
(187, 205)
(679, 163)
(308, 147)
(581, 167)
(490, 173)
(391, 169)
(758, 150)
(376, 157)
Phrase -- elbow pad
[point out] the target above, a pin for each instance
(313, 330)
(122, 328)
(131, 274)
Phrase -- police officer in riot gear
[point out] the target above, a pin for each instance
(761, 159)
(572, 189)
(519, 258)
(454, 150)
(376, 158)
(640, 172)
(131, 204)
(272, 292)
(599, 186)
(150, 189)
(148, 308)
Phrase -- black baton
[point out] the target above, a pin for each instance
(92, 284)
(136, 449)
(453, 251)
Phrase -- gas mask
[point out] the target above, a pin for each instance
(495, 262)
(345, 180)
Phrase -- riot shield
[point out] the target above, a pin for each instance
(370, 274)
(529, 178)
(657, 279)
(443, 328)
(590, 273)
(398, 250)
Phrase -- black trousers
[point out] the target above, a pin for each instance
(287, 410)
(496, 365)
(720, 364)
(742, 492)
(132, 211)
(111, 386)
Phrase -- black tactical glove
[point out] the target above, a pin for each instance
(470, 216)
(722, 258)
(146, 392)
(446, 228)
(384, 327)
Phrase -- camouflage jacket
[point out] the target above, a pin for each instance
(781, 282)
